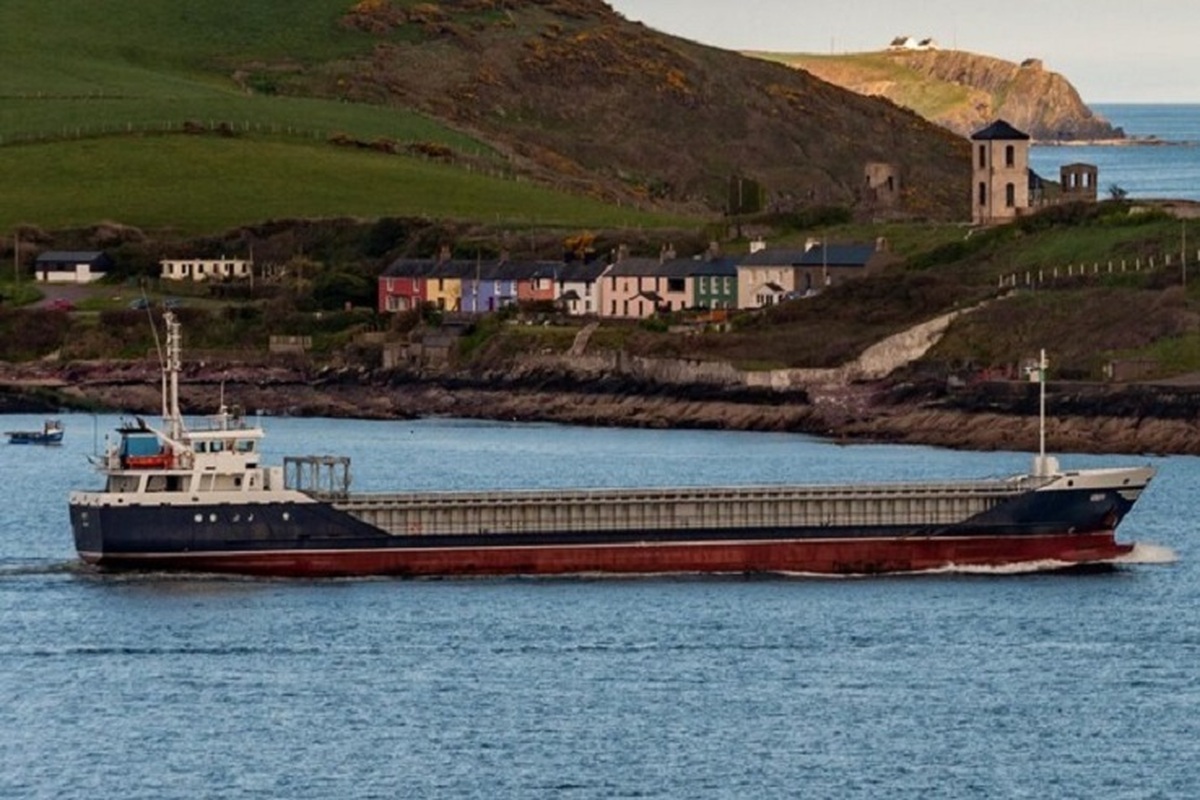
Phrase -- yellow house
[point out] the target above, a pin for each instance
(443, 287)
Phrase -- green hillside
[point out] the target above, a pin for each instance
(164, 49)
(565, 94)
(217, 183)
(96, 94)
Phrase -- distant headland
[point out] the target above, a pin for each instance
(963, 91)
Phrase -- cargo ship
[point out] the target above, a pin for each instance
(200, 499)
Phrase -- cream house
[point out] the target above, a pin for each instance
(205, 269)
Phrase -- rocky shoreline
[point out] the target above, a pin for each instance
(1131, 419)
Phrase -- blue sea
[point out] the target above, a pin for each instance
(1168, 168)
(981, 685)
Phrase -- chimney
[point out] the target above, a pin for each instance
(758, 245)
(882, 245)
(444, 253)
(622, 252)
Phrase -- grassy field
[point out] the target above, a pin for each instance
(195, 184)
(89, 87)
(161, 48)
(50, 119)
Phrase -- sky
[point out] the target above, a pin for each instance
(1112, 51)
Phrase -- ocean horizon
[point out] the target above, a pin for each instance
(1161, 160)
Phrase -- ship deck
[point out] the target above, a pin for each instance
(780, 507)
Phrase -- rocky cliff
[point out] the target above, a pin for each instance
(965, 91)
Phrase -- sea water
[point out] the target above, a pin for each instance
(1035, 685)
(1168, 168)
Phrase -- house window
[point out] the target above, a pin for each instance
(1010, 195)
(982, 156)
(675, 284)
(982, 193)
(1010, 156)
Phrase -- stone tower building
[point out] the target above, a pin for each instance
(1078, 182)
(1000, 159)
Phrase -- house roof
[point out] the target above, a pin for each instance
(838, 255)
(73, 257)
(999, 131)
(773, 257)
(492, 270)
(410, 268)
(702, 266)
(581, 272)
(636, 267)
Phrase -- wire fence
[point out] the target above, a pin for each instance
(490, 163)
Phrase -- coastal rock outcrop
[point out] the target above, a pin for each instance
(965, 91)
(999, 415)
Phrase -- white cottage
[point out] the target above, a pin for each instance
(201, 269)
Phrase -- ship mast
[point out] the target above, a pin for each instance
(171, 366)
(1043, 465)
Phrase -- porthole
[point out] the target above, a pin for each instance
(286, 516)
(212, 517)
(199, 518)
(250, 517)
(237, 517)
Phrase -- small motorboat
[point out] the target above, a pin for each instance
(51, 433)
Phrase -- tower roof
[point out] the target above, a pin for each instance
(999, 130)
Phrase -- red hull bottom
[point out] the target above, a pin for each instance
(828, 557)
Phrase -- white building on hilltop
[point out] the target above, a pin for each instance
(909, 43)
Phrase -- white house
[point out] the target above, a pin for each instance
(909, 43)
(69, 266)
(202, 269)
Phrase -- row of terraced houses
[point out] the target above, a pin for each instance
(629, 286)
